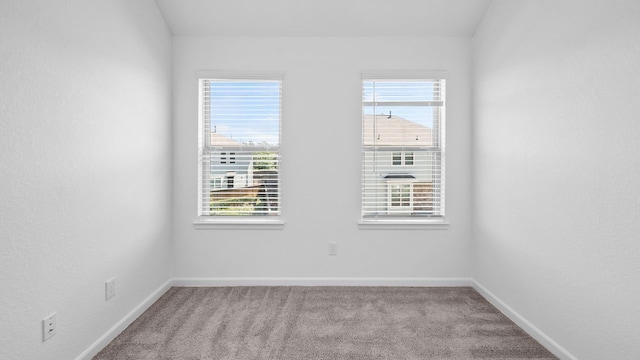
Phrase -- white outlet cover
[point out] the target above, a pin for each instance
(110, 289)
(49, 326)
(333, 249)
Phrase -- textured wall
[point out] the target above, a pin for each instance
(85, 168)
(556, 143)
(321, 161)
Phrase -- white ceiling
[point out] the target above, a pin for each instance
(323, 17)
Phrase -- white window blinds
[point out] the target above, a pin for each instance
(239, 147)
(403, 149)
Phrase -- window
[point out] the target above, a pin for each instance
(408, 158)
(402, 158)
(403, 122)
(239, 147)
(216, 183)
(400, 196)
(397, 158)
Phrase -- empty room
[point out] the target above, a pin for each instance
(319, 179)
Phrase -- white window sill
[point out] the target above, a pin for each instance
(239, 223)
(402, 225)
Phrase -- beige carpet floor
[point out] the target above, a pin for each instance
(300, 323)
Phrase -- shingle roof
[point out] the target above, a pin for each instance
(219, 140)
(395, 131)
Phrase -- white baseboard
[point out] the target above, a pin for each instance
(322, 281)
(535, 333)
(105, 339)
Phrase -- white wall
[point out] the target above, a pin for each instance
(556, 141)
(86, 137)
(321, 162)
(86, 168)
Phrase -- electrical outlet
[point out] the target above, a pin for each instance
(110, 289)
(49, 326)
(333, 249)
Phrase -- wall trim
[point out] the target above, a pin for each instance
(322, 281)
(523, 323)
(111, 334)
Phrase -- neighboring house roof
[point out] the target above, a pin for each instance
(395, 131)
(219, 140)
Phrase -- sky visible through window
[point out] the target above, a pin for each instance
(401, 90)
(246, 111)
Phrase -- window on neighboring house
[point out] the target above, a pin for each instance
(216, 183)
(239, 147)
(408, 158)
(400, 195)
(230, 181)
(402, 158)
(397, 158)
(403, 148)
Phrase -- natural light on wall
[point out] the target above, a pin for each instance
(239, 147)
(403, 149)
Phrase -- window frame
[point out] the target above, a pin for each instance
(408, 222)
(204, 222)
